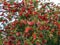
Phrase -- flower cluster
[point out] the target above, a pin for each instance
(32, 25)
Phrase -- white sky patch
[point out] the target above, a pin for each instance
(55, 1)
(19, 1)
(1, 26)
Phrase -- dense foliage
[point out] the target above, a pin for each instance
(32, 25)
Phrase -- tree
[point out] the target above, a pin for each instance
(31, 25)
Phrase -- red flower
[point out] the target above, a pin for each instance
(41, 28)
(30, 23)
(7, 27)
(5, 3)
(9, 43)
(18, 42)
(26, 14)
(52, 30)
(58, 26)
(25, 43)
(27, 29)
(29, 11)
(8, 5)
(59, 32)
(24, 21)
(23, 9)
(5, 42)
(46, 27)
(35, 13)
(17, 33)
(11, 38)
(55, 23)
(42, 17)
(15, 3)
(41, 35)
(21, 13)
(31, 2)
(44, 41)
(37, 0)
(38, 23)
(38, 43)
(34, 36)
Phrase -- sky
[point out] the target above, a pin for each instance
(55, 1)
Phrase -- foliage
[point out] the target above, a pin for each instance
(32, 25)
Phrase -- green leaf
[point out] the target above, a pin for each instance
(11, 1)
(0, 41)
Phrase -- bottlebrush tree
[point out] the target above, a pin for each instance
(33, 25)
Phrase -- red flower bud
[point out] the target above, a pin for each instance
(23, 9)
(44, 41)
(38, 43)
(34, 36)
(30, 23)
(27, 29)
(17, 33)
(5, 3)
(52, 30)
(41, 35)
(18, 42)
(11, 38)
(8, 5)
(24, 21)
(9, 43)
(20, 13)
(41, 28)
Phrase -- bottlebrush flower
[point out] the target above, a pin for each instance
(5, 42)
(23, 9)
(58, 26)
(27, 15)
(26, 35)
(35, 13)
(41, 35)
(7, 27)
(29, 12)
(25, 43)
(17, 33)
(9, 43)
(5, 3)
(34, 36)
(8, 5)
(46, 27)
(24, 22)
(55, 23)
(52, 30)
(38, 23)
(11, 38)
(27, 29)
(15, 22)
(44, 41)
(31, 23)
(18, 42)
(16, 5)
(20, 13)
(42, 17)
(41, 28)
(37, 0)
(31, 2)
(59, 32)
(13, 11)
(38, 43)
